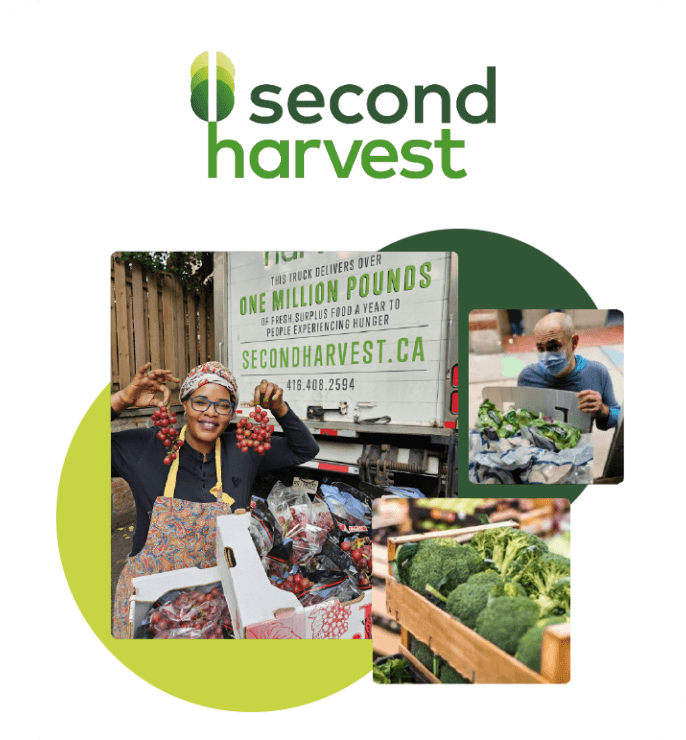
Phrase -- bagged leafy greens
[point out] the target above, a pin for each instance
(565, 436)
(489, 416)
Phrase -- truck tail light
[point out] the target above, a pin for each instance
(453, 402)
(454, 381)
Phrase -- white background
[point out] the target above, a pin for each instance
(100, 152)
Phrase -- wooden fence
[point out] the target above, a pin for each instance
(155, 320)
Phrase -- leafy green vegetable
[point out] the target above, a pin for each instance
(489, 416)
(469, 599)
(529, 648)
(547, 581)
(403, 558)
(563, 435)
(393, 670)
(449, 675)
(443, 564)
(504, 621)
(423, 653)
(507, 550)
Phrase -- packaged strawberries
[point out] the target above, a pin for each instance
(200, 612)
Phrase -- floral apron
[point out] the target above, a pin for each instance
(182, 534)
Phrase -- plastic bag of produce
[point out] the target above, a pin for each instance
(563, 435)
(307, 541)
(289, 503)
(277, 562)
(321, 516)
(332, 557)
(315, 586)
(351, 509)
(489, 416)
(567, 466)
(359, 550)
(520, 459)
(263, 528)
(200, 612)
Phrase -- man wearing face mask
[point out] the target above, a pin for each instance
(561, 369)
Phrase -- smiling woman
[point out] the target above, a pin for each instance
(178, 495)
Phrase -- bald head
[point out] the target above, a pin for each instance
(555, 323)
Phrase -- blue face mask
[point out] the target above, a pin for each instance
(553, 362)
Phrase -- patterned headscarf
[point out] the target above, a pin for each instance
(209, 372)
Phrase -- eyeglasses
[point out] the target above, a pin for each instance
(222, 407)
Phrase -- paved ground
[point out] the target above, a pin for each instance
(503, 369)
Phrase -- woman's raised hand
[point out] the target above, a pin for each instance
(269, 396)
(140, 392)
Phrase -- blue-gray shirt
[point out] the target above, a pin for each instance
(588, 375)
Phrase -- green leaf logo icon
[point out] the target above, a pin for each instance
(200, 86)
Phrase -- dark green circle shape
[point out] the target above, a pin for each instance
(497, 271)
(225, 100)
(222, 674)
(199, 100)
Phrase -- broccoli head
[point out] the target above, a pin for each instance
(504, 621)
(469, 599)
(424, 654)
(449, 675)
(547, 581)
(513, 589)
(508, 550)
(529, 648)
(443, 564)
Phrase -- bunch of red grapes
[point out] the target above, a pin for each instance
(295, 583)
(361, 553)
(192, 614)
(254, 432)
(169, 436)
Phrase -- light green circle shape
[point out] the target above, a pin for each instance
(237, 675)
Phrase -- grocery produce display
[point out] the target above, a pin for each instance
(185, 614)
(164, 421)
(504, 584)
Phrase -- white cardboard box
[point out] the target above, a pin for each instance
(147, 589)
(262, 611)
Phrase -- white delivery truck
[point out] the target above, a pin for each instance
(364, 345)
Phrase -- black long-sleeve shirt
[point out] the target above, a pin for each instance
(137, 457)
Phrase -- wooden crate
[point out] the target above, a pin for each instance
(467, 652)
